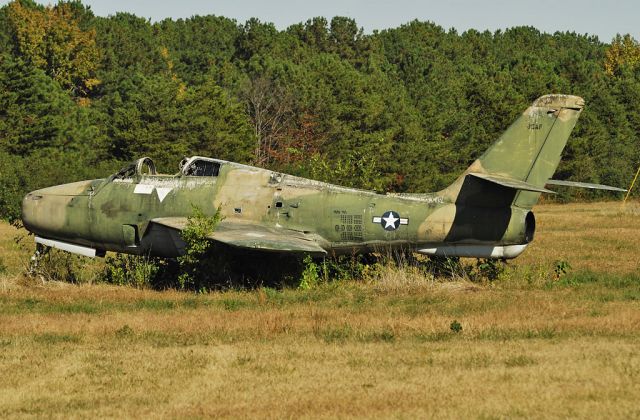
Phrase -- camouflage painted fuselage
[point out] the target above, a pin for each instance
(486, 212)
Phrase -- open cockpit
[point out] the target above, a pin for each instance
(189, 166)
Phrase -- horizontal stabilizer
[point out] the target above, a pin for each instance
(511, 183)
(253, 236)
(584, 185)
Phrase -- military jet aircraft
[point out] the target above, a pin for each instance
(485, 213)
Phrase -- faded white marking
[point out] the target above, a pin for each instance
(254, 235)
(143, 189)
(188, 182)
(377, 219)
(404, 221)
(162, 192)
(434, 200)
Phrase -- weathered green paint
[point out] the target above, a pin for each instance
(487, 206)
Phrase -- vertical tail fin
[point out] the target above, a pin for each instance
(529, 151)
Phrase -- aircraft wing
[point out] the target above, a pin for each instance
(253, 236)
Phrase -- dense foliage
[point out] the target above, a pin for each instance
(403, 109)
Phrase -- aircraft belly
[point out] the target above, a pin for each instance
(474, 250)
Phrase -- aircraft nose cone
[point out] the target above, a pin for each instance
(31, 203)
(47, 212)
(43, 214)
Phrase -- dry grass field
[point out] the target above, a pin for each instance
(531, 345)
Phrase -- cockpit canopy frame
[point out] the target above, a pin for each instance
(200, 166)
(189, 166)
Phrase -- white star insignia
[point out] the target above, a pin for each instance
(390, 221)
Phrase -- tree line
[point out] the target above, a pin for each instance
(402, 110)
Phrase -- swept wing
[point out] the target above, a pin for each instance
(252, 236)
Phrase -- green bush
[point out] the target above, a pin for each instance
(56, 265)
(561, 268)
(455, 326)
(310, 275)
(337, 268)
(199, 266)
(487, 269)
(199, 269)
(139, 271)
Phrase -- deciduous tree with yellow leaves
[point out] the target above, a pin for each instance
(51, 39)
(623, 52)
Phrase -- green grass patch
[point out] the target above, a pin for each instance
(631, 295)
(336, 334)
(434, 337)
(26, 305)
(384, 336)
(168, 339)
(193, 303)
(36, 305)
(125, 332)
(610, 281)
(234, 304)
(76, 308)
(155, 304)
(33, 305)
(504, 334)
(53, 338)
